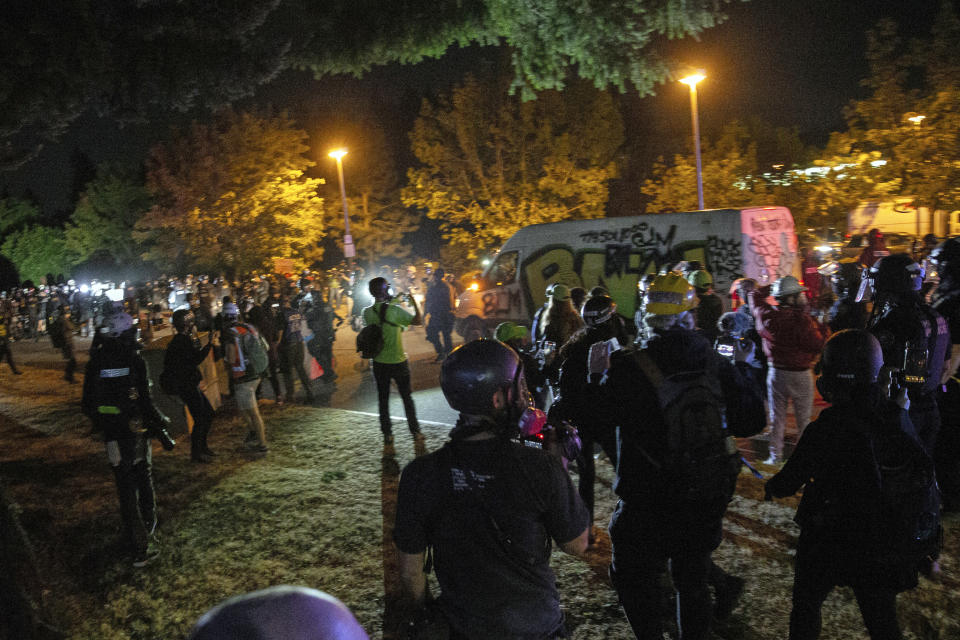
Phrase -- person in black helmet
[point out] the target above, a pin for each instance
(945, 258)
(116, 397)
(915, 339)
(844, 537)
(488, 507)
(577, 399)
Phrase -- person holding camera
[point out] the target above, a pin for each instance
(792, 340)
(184, 354)
(915, 339)
(116, 397)
(391, 363)
(672, 398)
(487, 509)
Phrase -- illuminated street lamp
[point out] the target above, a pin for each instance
(915, 118)
(349, 251)
(692, 80)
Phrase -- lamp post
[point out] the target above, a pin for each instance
(692, 80)
(349, 251)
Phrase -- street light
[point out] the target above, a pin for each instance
(348, 249)
(692, 81)
(915, 118)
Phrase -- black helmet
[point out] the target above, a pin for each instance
(597, 310)
(896, 273)
(946, 257)
(851, 358)
(475, 371)
(846, 279)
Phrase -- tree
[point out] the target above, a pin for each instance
(105, 217)
(133, 60)
(491, 164)
(732, 176)
(911, 119)
(16, 213)
(232, 195)
(37, 250)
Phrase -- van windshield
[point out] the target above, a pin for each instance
(504, 269)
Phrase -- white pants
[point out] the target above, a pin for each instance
(783, 385)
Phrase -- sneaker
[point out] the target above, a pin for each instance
(773, 459)
(147, 556)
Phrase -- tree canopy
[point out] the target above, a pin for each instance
(134, 59)
(491, 163)
(105, 217)
(232, 195)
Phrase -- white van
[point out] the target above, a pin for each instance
(615, 253)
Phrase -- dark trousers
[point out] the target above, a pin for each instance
(587, 465)
(946, 454)
(400, 372)
(637, 567)
(291, 357)
(7, 352)
(202, 414)
(812, 583)
(131, 462)
(71, 366)
(440, 334)
(274, 379)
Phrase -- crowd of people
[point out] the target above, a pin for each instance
(665, 399)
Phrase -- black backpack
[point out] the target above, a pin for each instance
(370, 338)
(909, 499)
(701, 462)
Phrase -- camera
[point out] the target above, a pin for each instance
(726, 346)
(914, 370)
(157, 429)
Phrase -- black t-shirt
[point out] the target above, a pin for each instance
(488, 591)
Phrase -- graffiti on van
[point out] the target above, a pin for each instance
(619, 264)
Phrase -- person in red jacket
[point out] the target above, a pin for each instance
(792, 341)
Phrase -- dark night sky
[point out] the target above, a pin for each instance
(789, 63)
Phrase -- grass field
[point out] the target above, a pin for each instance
(317, 511)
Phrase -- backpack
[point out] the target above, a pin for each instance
(700, 462)
(55, 329)
(370, 338)
(909, 499)
(247, 355)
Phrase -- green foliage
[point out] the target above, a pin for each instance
(732, 176)
(37, 250)
(105, 216)
(610, 42)
(232, 195)
(15, 213)
(491, 164)
(919, 77)
(133, 60)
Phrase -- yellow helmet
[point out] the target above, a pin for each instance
(669, 295)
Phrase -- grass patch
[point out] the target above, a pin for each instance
(312, 512)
